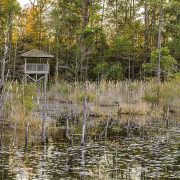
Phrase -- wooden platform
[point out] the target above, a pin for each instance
(33, 68)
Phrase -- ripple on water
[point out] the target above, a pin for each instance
(148, 158)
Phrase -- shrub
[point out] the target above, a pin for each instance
(90, 97)
(167, 63)
(115, 72)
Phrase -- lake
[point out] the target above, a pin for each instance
(155, 154)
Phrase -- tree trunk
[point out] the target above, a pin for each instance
(102, 15)
(3, 61)
(84, 64)
(1, 99)
(116, 16)
(159, 52)
(10, 34)
(146, 33)
(40, 6)
(153, 30)
(159, 43)
(44, 111)
(14, 62)
(57, 61)
(84, 116)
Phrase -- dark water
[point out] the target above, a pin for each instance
(155, 156)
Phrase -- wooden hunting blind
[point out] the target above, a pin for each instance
(36, 65)
(36, 68)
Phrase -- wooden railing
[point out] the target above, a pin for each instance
(33, 68)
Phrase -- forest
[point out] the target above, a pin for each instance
(119, 37)
(89, 89)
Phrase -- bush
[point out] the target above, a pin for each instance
(168, 91)
(22, 94)
(115, 72)
(167, 63)
(90, 97)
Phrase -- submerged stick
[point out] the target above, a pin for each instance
(44, 111)
(67, 131)
(84, 114)
(47, 135)
(26, 135)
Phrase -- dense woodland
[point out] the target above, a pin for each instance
(108, 39)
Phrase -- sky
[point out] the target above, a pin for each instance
(23, 2)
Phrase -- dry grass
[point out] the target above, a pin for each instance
(124, 97)
(19, 119)
(139, 108)
(18, 108)
(105, 99)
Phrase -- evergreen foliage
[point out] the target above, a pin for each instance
(120, 38)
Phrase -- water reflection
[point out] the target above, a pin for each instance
(130, 157)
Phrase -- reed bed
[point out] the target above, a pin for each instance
(123, 97)
(105, 100)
